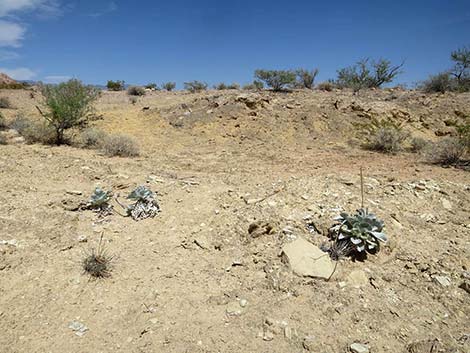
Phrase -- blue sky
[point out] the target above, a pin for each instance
(214, 40)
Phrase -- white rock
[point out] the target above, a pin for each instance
(79, 328)
(446, 204)
(307, 260)
(359, 348)
(442, 280)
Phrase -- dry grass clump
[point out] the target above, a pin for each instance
(121, 146)
(34, 131)
(92, 138)
(386, 137)
(97, 263)
(136, 91)
(418, 144)
(5, 103)
(446, 152)
(326, 86)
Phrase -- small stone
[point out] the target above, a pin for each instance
(234, 309)
(74, 192)
(243, 302)
(305, 197)
(310, 343)
(288, 332)
(465, 286)
(154, 320)
(79, 328)
(358, 278)
(444, 281)
(446, 204)
(272, 203)
(359, 348)
(341, 285)
(82, 238)
(268, 336)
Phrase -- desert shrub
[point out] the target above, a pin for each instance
(136, 91)
(447, 151)
(34, 131)
(255, 85)
(439, 83)
(169, 86)
(115, 85)
(276, 79)
(326, 86)
(92, 138)
(461, 69)
(359, 233)
(3, 140)
(153, 86)
(383, 136)
(306, 78)
(463, 131)
(368, 74)
(220, 86)
(133, 100)
(3, 123)
(233, 86)
(121, 146)
(418, 144)
(5, 103)
(68, 105)
(195, 86)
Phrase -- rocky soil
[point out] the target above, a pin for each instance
(241, 179)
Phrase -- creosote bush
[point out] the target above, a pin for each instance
(306, 78)
(68, 105)
(276, 79)
(136, 91)
(115, 85)
(5, 103)
(121, 146)
(368, 74)
(195, 86)
(169, 86)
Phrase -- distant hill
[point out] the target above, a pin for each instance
(6, 80)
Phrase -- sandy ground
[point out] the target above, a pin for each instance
(193, 279)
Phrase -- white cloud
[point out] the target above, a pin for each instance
(42, 7)
(111, 7)
(21, 73)
(8, 55)
(56, 79)
(11, 34)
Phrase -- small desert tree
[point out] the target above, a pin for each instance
(461, 69)
(195, 86)
(115, 85)
(306, 78)
(169, 86)
(276, 79)
(68, 105)
(368, 74)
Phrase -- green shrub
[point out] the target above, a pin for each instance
(120, 145)
(368, 74)
(461, 69)
(136, 91)
(92, 138)
(306, 78)
(5, 103)
(169, 86)
(276, 79)
(68, 105)
(447, 151)
(153, 86)
(439, 83)
(463, 132)
(195, 86)
(115, 85)
(383, 135)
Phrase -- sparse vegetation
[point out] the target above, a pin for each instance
(169, 86)
(326, 86)
(445, 152)
(92, 138)
(383, 135)
(195, 86)
(152, 86)
(133, 100)
(368, 74)
(361, 232)
(439, 83)
(418, 144)
(3, 140)
(121, 146)
(276, 79)
(98, 263)
(5, 103)
(34, 131)
(3, 123)
(68, 105)
(14, 85)
(115, 85)
(306, 78)
(463, 131)
(461, 69)
(223, 86)
(136, 91)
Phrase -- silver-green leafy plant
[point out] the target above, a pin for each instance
(99, 201)
(145, 205)
(363, 230)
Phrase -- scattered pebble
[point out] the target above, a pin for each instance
(359, 348)
(79, 328)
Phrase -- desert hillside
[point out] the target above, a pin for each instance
(242, 178)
